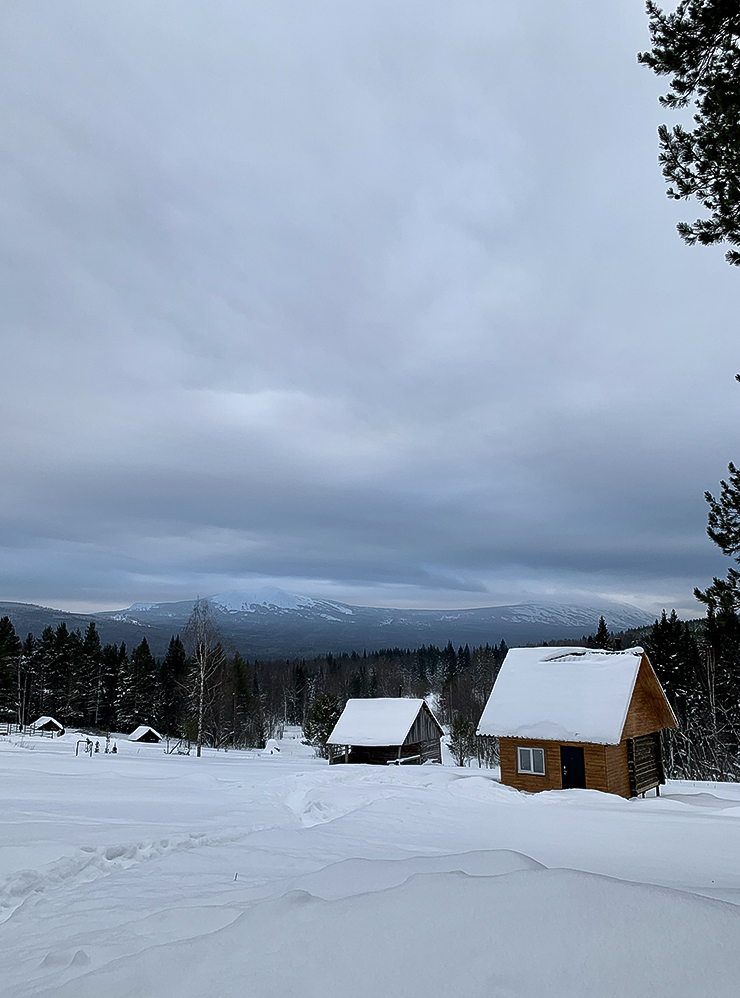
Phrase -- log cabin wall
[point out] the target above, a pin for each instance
(645, 763)
(510, 774)
(594, 757)
(617, 772)
(607, 767)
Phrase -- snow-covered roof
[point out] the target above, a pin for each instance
(562, 694)
(380, 721)
(43, 721)
(142, 730)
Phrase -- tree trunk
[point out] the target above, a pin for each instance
(201, 699)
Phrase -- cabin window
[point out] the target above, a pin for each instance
(532, 760)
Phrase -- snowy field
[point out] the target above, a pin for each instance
(156, 876)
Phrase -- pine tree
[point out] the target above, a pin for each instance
(462, 739)
(138, 689)
(76, 689)
(464, 660)
(54, 659)
(674, 655)
(171, 708)
(602, 638)
(10, 650)
(698, 46)
(249, 727)
(113, 665)
(28, 686)
(90, 676)
(723, 526)
(719, 673)
(323, 714)
(450, 667)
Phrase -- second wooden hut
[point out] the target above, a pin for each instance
(386, 730)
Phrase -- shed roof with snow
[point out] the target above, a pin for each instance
(145, 733)
(47, 723)
(379, 721)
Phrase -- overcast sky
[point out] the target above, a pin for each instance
(379, 300)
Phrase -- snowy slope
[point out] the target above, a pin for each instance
(238, 874)
(270, 622)
(273, 623)
(246, 601)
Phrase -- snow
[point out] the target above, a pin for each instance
(564, 694)
(267, 596)
(142, 730)
(380, 721)
(144, 874)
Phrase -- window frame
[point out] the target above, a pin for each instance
(532, 771)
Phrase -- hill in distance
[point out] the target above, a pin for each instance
(272, 623)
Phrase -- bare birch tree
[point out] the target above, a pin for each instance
(202, 637)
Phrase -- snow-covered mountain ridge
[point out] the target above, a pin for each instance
(271, 622)
(617, 615)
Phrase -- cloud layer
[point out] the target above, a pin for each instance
(382, 300)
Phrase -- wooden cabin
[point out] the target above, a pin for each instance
(48, 725)
(385, 731)
(578, 717)
(144, 733)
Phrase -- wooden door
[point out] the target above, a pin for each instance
(572, 766)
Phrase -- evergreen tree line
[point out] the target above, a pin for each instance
(82, 683)
(75, 678)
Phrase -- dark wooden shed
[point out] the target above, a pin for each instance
(384, 731)
(48, 725)
(145, 733)
(578, 717)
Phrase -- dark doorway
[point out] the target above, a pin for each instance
(572, 767)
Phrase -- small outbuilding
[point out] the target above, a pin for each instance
(578, 717)
(144, 733)
(384, 731)
(48, 725)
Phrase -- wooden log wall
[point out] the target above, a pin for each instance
(645, 763)
(594, 757)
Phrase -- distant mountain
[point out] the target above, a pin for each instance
(271, 623)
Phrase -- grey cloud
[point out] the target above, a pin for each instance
(375, 298)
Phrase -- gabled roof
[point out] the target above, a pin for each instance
(46, 720)
(142, 730)
(563, 694)
(380, 721)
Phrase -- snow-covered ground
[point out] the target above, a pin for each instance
(152, 875)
